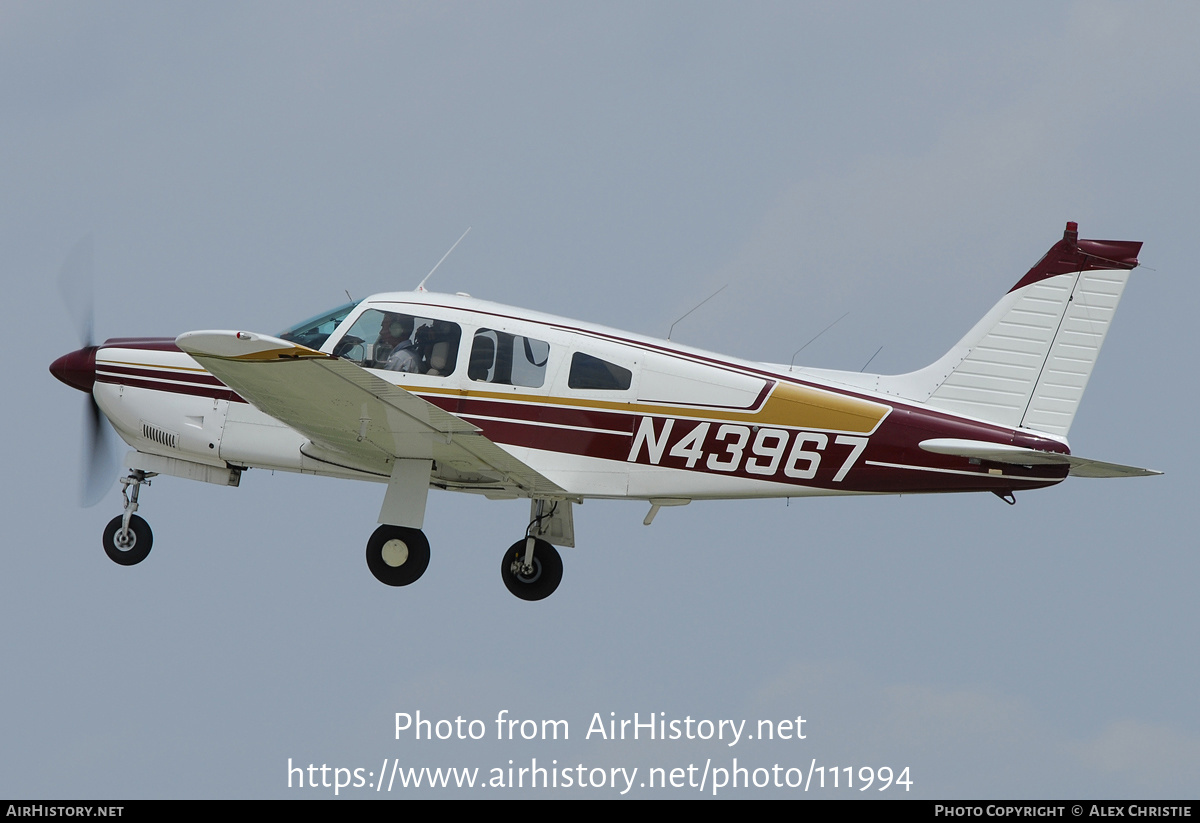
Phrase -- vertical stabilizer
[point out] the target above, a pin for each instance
(1027, 362)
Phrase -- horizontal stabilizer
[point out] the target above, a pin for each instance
(1002, 453)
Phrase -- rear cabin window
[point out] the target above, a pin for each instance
(401, 342)
(508, 359)
(589, 372)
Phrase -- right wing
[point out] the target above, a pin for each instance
(355, 419)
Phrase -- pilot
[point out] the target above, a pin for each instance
(395, 336)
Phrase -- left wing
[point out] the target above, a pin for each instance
(354, 418)
(1001, 453)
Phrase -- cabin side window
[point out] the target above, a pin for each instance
(508, 359)
(401, 342)
(589, 372)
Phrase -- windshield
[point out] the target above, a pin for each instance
(314, 331)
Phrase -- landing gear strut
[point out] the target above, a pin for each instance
(532, 568)
(531, 575)
(127, 537)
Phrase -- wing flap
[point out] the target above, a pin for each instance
(344, 409)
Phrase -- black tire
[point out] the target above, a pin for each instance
(547, 571)
(397, 565)
(134, 548)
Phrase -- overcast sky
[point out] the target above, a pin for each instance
(244, 165)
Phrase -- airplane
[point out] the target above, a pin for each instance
(417, 390)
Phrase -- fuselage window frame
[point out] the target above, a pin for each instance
(506, 359)
(591, 373)
(398, 341)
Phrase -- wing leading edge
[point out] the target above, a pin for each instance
(355, 419)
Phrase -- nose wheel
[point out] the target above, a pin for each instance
(127, 546)
(127, 537)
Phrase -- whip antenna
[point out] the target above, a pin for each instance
(814, 337)
(421, 285)
(698, 305)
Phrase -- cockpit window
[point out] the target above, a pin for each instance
(314, 331)
(401, 342)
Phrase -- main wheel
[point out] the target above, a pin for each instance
(539, 583)
(129, 548)
(397, 556)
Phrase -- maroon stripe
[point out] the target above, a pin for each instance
(191, 377)
(221, 393)
(146, 343)
(617, 422)
(1071, 254)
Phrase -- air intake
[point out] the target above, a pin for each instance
(157, 435)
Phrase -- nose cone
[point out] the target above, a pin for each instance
(77, 369)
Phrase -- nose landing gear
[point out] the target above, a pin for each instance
(127, 537)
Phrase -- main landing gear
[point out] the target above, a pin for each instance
(127, 537)
(531, 568)
(397, 556)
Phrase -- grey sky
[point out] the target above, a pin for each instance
(243, 165)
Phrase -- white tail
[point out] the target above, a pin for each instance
(1027, 362)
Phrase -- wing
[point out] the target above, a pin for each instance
(355, 419)
(1001, 453)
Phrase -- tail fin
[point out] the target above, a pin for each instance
(1027, 362)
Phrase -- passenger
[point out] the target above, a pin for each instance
(437, 344)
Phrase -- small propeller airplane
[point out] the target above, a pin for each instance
(418, 390)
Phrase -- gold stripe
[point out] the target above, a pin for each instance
(290, 353)
(788, 405)
(809, 408)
